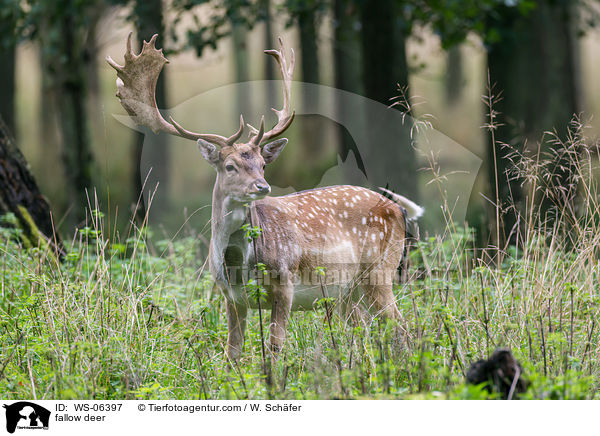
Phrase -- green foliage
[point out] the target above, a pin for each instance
(296, 8)
(492, 20)
(12, 15)
(45, 21)
(251, 232)
(453, 20)
(116, 321)
(320, 271)
(209, 30)
(255, 291)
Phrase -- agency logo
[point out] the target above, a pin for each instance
(26, 415)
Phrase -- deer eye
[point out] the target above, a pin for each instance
(230, 168)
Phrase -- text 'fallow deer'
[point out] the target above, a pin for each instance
(355, 235)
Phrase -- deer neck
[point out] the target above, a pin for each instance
(228, 216)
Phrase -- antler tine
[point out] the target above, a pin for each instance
(259, 133)
(129, 52)
(237, 134)
(284, 115)
(136, 85)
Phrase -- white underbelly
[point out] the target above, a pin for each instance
(308, 291)
(307, 297)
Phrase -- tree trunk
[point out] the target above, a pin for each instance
(268, 61)
(390, 159)
(70, 99)
(149, 21)
(239, 36)
(311, 125)
(308, 46)
(48, 135)
(7, 90)
(533, 67)
(454, 74)
(20, 196)
(346, 56)
(90, 55)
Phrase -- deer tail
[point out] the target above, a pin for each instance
(413, 210)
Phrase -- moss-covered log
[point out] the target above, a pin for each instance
(21, 200)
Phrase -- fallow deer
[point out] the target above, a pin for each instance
(356, 235)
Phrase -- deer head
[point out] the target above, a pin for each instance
(239, 165)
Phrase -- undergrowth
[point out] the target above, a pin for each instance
(121, 318)
(115, 321)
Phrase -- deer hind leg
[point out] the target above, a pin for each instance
(380, 302)
(283, 294)
(376, 279)
(351, 310)
(378, 297)
(236, 324)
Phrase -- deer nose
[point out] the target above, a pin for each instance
(262, 187)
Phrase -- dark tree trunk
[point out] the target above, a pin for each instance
(149, 21)
(19, 195)
(70, 98)
(311, 126)
(346, 56)
(49, 132)
(90, 54)
(308, 46)
(390, 159)
(268, 62)
(533, 66)
(454, 74)
(7, 90)
(239, 36)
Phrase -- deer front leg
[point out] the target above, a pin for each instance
(280, 312)
(236, 324)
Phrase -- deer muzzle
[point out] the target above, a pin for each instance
(262, 187)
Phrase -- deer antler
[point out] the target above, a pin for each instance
(136, 85)
(284, 117)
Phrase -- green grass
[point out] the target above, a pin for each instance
(128, 320)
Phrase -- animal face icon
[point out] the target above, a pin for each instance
(26, 414)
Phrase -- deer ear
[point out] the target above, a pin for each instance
(271, 150)
(209, 152)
